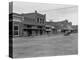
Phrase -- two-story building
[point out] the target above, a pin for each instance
(28, 24)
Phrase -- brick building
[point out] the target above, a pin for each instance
(29, 24)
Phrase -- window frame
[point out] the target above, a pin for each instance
(38, 20)
(15, 30)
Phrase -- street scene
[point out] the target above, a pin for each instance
(41, 29)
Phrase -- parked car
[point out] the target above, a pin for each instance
(67, 33)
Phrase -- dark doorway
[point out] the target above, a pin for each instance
(41, 32)
(29, 32)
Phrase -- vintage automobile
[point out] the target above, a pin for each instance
(67, 33)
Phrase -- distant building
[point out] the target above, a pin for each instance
(49, 29)
(59, 26)
(75, 28)
(27, 24)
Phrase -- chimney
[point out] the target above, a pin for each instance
(35, 11)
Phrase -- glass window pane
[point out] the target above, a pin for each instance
(37, 19)
(15, 27)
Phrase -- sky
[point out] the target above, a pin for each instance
(54, 12)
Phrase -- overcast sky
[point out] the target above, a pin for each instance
(54, 12)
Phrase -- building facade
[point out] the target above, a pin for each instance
(34, 24)
(60, 26)
(29, 24)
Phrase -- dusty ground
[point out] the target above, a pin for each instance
(45, 46)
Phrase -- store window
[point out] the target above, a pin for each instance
(16, 30)
(15, 27)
